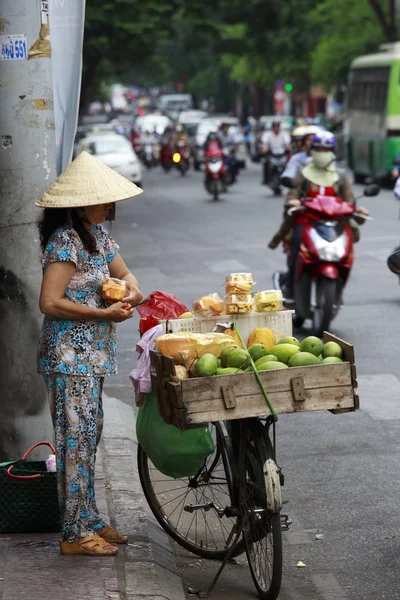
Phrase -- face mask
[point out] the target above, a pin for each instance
(322, 160)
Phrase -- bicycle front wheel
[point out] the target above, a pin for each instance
(262, 528)
(204, 531)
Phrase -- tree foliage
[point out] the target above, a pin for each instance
(231, 44)
(342, 39)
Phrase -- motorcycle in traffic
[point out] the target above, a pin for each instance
(324, 258)
(214, 171)
(181, 157)
(277, 160)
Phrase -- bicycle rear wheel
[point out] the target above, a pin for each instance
(262, 528)
(203, 531)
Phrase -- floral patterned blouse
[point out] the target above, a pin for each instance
(80, 347)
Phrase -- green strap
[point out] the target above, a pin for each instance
(253, 366)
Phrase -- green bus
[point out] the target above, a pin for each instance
(374, 112)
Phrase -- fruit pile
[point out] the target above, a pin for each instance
(288, 352)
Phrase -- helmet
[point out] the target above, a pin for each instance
(276, 121)
(299, 133)
(212, 136)
(179, 128)
(324, 139)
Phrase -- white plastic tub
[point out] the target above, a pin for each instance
(279, 321)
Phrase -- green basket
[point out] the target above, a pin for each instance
(28, 496)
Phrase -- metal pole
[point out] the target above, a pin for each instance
(27, 167)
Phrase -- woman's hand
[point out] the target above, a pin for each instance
(118, 312)
(134, 295)
(294, 203)
(363, 211)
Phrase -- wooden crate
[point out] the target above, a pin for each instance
(199, 400)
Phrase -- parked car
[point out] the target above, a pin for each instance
(211, 124)
(116, 152)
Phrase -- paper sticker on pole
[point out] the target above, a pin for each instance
(45, 12)
(13, 47)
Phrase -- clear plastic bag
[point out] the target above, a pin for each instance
(114, 290)
(208, 306)
(239, 283)
(268, 301)
(238, 304)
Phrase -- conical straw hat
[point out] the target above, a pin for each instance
(87, 182)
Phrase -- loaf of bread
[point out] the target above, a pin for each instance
(114, 290)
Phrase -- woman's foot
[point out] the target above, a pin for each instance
(93, 545)
(111, 536)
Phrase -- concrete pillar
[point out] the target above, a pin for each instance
(27, 167)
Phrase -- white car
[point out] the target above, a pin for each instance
(191, 117)
(153, 123)
(116, 152)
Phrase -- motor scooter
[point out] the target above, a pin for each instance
(181, 157)
(166, 154)
(231, 165)
(214, 171)
(277, 159)
(325, 256)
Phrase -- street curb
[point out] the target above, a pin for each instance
(146, 566)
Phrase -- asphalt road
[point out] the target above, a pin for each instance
(342, 472)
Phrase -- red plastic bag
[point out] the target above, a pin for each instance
(159, 306)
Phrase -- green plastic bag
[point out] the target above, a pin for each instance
(174, 452)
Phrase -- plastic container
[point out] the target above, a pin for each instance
(239, 283)
(268, 301)
(279, 321)
(114, 290)
(238, 304)
(208, 306)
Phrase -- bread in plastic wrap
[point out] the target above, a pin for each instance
(211, 305)
(114, 290)
(186, 346)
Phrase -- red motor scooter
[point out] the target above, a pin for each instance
(214, 170)
(166, 154)
(325, 256)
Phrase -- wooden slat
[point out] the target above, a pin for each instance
(175, 394)
(168, 365)
(320, 376)
(178, 417)
(255, 406)
(341, 411)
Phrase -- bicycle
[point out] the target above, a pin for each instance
(237, 502)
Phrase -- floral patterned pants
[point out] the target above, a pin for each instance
(77, 412)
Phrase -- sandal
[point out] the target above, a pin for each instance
(93, 545)
(111, 536)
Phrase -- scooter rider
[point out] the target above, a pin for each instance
(273, 140)
(180, 136)
(318, 177)
(229, 147)
(212, 139)
(302, 138)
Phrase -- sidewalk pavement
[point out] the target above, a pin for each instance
(31, 566)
